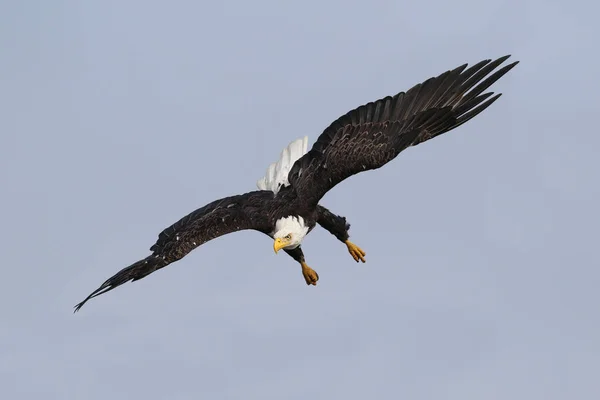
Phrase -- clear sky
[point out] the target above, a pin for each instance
(119, 117)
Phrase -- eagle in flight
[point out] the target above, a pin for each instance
(286, 206)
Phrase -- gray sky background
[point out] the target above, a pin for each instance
(120, 117)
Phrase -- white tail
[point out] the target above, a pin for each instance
(277, 173)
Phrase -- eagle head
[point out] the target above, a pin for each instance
(289, 232)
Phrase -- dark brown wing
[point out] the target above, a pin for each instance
(227, 215)
(373, 134)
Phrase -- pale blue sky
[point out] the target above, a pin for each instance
(120, 117)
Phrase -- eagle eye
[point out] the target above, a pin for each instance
(288, 236)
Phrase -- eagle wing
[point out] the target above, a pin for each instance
(373, 134)
(227, 215)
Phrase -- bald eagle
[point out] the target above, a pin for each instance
(286, 206)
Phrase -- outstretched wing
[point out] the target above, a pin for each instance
(227, 215)
(373, 134)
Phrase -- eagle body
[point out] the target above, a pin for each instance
(286, 207)
(257, 210)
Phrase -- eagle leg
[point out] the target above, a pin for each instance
(339, 227)
(310, 275)
(356, 252)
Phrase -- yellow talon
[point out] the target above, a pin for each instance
(356, 252)
(310, 275)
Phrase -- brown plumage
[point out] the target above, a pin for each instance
(373, 134)
(365, 138)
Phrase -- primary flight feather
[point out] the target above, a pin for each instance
(286, 206)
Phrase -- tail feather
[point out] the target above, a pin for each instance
(134, 272)
(277, 173)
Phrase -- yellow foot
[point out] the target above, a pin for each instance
(356, 252)
(310, 275)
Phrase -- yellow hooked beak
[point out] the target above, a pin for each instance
(280, 243)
